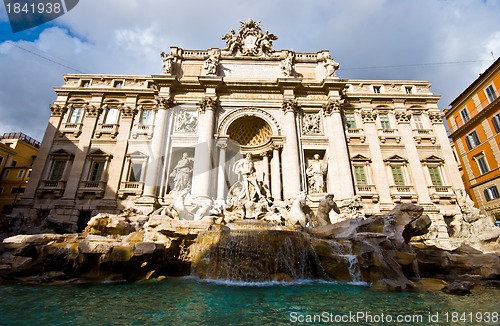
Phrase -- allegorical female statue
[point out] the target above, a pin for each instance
(182, 173)
(316, 172)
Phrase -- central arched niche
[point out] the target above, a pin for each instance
(250, 131)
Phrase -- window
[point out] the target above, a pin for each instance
(96, 170)
(465, 115)
(397, 174)
(118, 83)
(491, 193)
(57, 170)
(134, 173)
(16, 190)
(472, 140)
(409, 89)
(6, 174)
(377, 89)
(435, 176)
(490, 92)
(76, 114)
(20, 174)
(1, 190)
(111, 116)
(417, 120)
(29, 174)
(384, 121)
(482, 163)
(13, 164)
(1, 160)
(85, 83)
(360, 175)
(151, 85)
(495, 120)
(350, 120)
(146, 117)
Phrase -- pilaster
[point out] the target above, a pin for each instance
(91, 115)
(291, 162)
(339, 170)
(403, 119)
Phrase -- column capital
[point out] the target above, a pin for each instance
(402, 116)
(435, 117)
(92, 111)
(58, 110)
(277, 147)
(164, 102)
(222, 144)
(369, 115)
(290, 105)
(332, 106)
(128, 111)
(208, 103)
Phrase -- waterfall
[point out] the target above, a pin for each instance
(252, 255)
(344, 250)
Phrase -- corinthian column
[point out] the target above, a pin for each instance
(275, 173)
(203, 150)
(221, 175)
(291, 163)
(339, 169)
(152, 177)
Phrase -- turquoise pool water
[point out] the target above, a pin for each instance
(189, 301)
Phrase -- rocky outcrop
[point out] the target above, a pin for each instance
(463, 263)
(375, 250)
(380, 245)
(113, 247)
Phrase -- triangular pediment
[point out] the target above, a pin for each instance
(60, 153)
(360, 158)
(98, 152)
(136, 154)
(432, 159)
(396, 158)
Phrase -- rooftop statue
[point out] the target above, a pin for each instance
(250, 40)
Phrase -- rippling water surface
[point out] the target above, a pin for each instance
(189, 301)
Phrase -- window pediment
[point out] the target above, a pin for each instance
(396, 159)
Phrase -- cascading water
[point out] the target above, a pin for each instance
(252, 254)
(344, 250)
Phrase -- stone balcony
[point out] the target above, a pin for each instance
(385, 134)
(355, 133)
(400, 193)
(49, 186)
(438, 193)
(130, 188)
(368, 192)
(71, 128)
(91, 187)
(105, 128)
(423, 134)
(140, 129)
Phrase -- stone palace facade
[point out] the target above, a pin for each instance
(120, 141)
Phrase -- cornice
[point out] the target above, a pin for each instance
(477, 119)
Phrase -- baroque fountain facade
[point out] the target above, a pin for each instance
(236, 154)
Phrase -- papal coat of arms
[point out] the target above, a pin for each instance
(250, 40)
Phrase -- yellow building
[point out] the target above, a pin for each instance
(474, 122)
(17, 153)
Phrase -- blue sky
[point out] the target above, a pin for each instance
(445, 42)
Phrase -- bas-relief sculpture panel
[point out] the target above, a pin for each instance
(186, 121)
